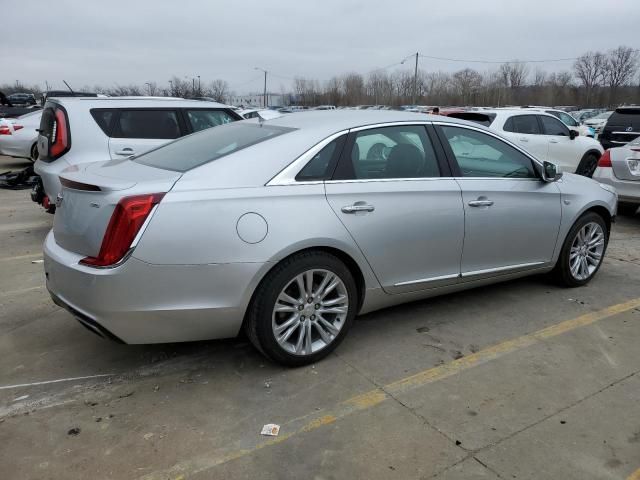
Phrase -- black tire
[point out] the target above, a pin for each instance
(34, 152)
(588, 164)
(562, 271)
(627, 209)
(258, 321)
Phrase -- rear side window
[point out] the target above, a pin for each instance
(526, 124)
(320, 167)
(158, 124)
(209, 145)
(103, 118)
(553, 126)
(203, 119)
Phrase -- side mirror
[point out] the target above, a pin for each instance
(573, 134)
(550, 172)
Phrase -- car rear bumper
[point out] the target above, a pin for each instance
(138, 302)
(49, 174)
(628, 190)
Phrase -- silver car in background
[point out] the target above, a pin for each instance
(620, 168)
(292, 226)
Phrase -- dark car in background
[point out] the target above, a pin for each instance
(622, 127)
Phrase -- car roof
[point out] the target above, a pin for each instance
(327, 122)
(129, 102)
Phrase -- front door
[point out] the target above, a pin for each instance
(407, 220)
(512, 217)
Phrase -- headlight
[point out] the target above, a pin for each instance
(608, 188)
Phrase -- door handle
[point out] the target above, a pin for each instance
(481, 203)
(358, 208)
(553, 141)
(126, 152)
(523, 139)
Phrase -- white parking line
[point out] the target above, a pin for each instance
(21, 257)
(46, 382)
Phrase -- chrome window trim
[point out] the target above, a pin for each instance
(287, 176)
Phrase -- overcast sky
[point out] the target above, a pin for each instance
(134, 41)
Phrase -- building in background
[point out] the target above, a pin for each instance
(256, 100)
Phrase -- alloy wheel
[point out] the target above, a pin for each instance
(586, 251)
(310, 311)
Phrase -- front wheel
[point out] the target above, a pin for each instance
(302, 309)
(588, 165)
(583, 251)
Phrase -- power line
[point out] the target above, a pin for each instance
(547, 60)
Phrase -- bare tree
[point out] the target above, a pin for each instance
(218, 90)
(468, 83)
(354, 91)
(620, 68)
(590, 69)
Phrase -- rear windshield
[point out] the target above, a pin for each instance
(626, 116)
(482, 118)
(208, 145)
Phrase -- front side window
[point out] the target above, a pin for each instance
(565, 118)
(156, 124)
(203, 119)
(482, 155)
(526, 124)
(553, 126)
(390, 152)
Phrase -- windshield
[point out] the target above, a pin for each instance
(603, 115)
(206, 146)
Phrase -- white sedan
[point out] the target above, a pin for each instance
(19, 136)
(543, 135)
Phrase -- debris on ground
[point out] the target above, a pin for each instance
(22, 180)
(270, 430)
(74, 431)
(147, 436)
(38, 261)
(23, 397)
(457, 354)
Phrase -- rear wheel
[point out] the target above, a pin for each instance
(34, 152)
(302, 309)
(588, 165)
(583, 251)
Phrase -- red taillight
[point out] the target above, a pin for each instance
(17, 127)
(605, 159)
(4, 130)
(127, 219)
(60, 141)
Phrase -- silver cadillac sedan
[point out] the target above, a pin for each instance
(290, 227)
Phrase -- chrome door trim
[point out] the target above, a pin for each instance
(507, 268)
(287, 176)
(428, 280)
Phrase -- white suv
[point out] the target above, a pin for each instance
(542, 135)
(82, 130)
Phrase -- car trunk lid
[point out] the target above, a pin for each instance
(626, 162)
(89, 197)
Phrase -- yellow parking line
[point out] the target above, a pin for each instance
(376, 396)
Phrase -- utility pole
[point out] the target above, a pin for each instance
(199, 89)
(415, 80)
(264, 95)
(171, 86)
(193, 86)
(148, 87)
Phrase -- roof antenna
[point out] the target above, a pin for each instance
(70, 89)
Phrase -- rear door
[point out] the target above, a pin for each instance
(524, 130)
(563, 150)
(396, 198)
(512, 217)
(138, 130)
